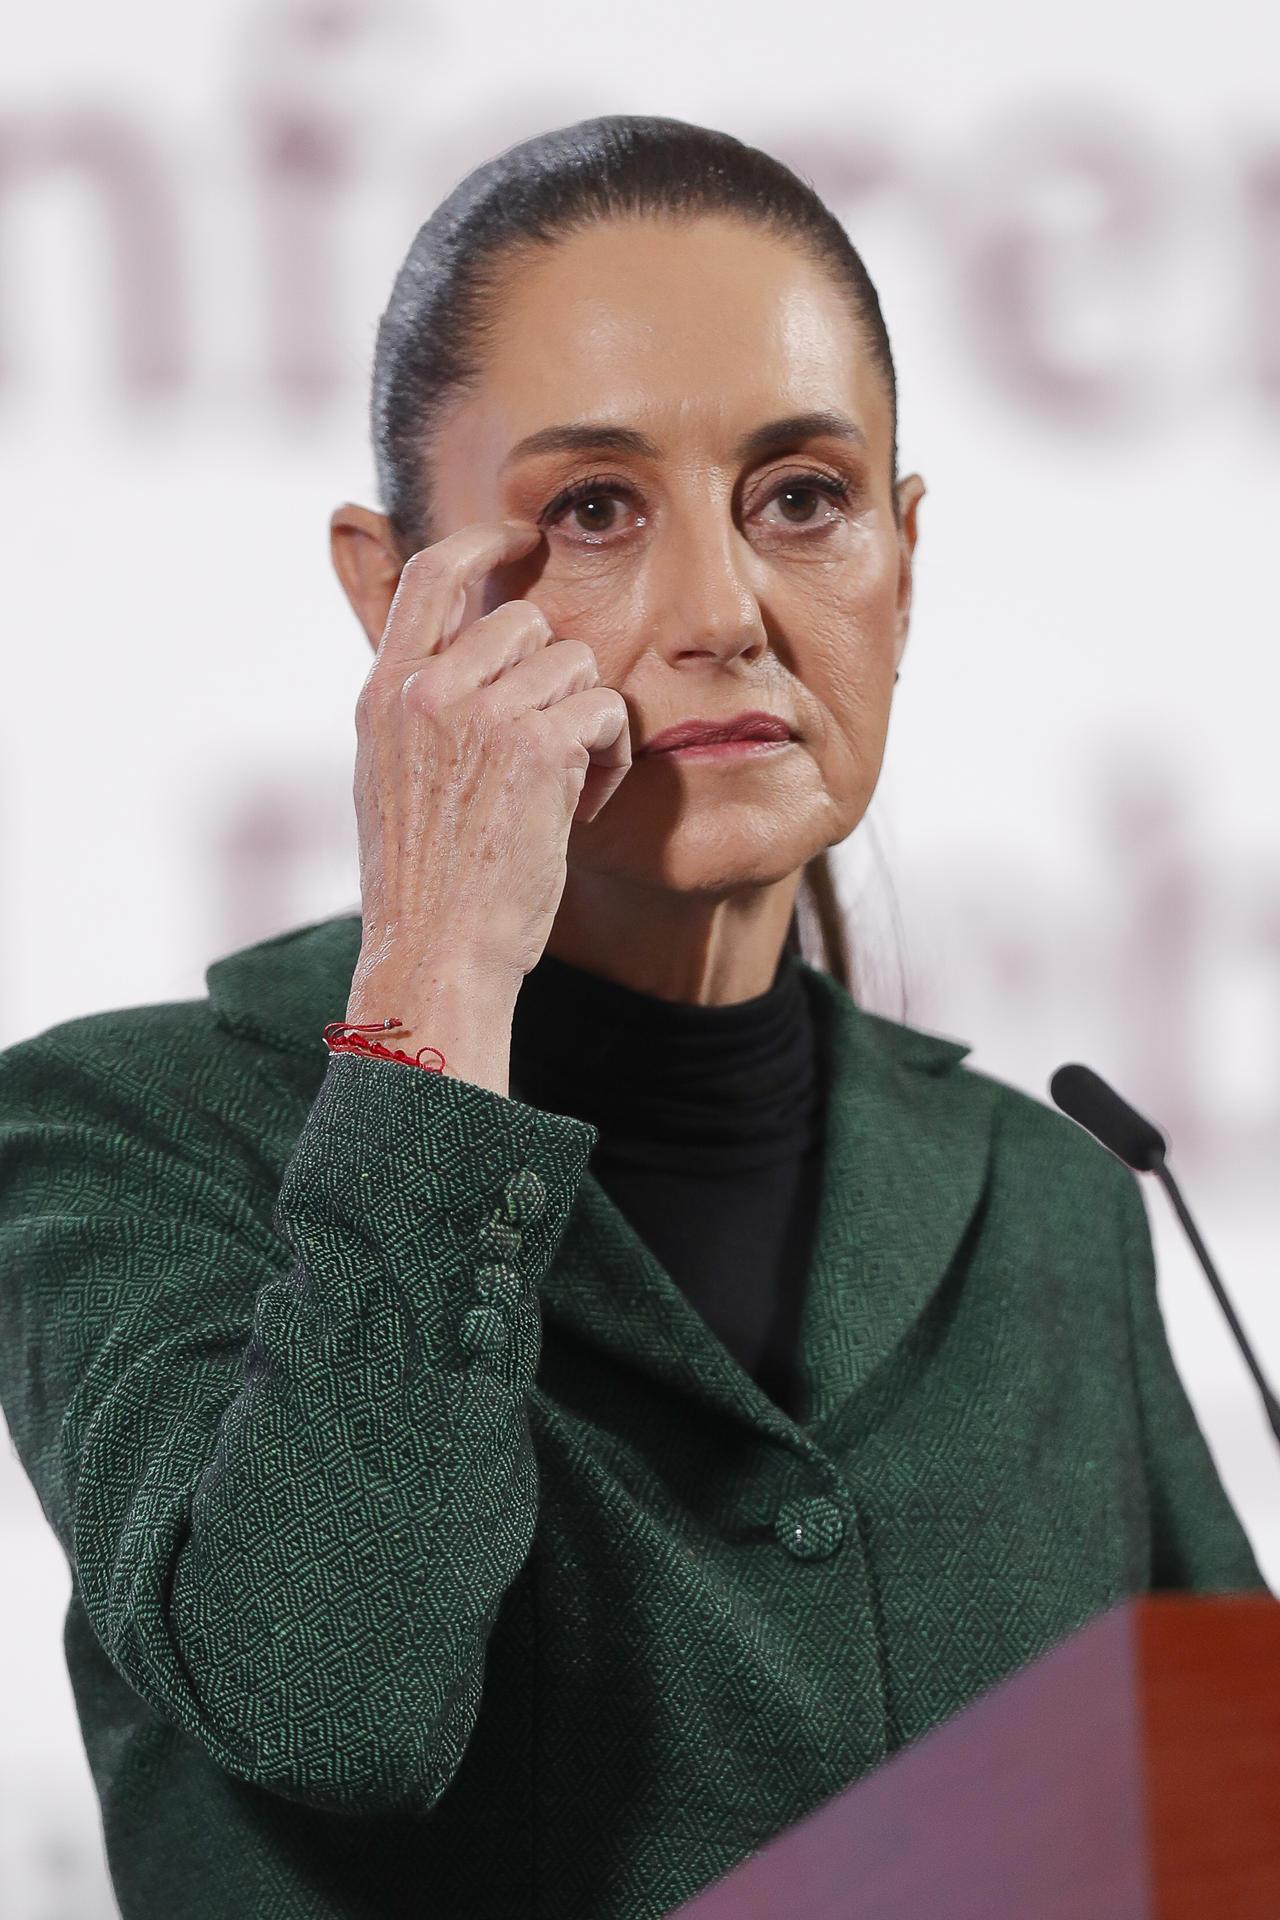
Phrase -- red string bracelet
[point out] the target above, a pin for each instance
(341, 1036)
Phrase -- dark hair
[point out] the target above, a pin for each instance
(431, 338)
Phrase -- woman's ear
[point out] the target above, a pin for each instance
(910, 493)
(366, 559)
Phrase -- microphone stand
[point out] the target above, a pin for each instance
(1170, 1185)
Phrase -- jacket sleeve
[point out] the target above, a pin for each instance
(1197, 1541)
(290, 1464)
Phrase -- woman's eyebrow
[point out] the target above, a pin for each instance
(588, 437)
(583, 439)
(798, 426)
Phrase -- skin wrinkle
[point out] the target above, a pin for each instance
(694, 338)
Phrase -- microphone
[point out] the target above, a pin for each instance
(1087, 1099)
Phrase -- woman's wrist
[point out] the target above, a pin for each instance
(462, 1010)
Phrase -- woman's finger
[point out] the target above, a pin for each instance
(598, 719)
(431, 599)
(488, 648)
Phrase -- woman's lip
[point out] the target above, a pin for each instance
(717, 749)
(758, 727)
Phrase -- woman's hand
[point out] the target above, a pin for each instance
(478, 745)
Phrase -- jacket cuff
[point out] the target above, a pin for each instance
(446, 1176)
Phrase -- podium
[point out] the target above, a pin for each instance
(1132, 1773)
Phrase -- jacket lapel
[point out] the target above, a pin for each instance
(908, 1143)
(286, 991)
(607, 1289)
(905, 1162)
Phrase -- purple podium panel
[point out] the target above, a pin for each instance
(1028, 1805)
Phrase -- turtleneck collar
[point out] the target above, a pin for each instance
(720, 1087)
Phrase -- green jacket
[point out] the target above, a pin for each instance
(432, 1557)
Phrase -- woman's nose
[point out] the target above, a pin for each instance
(705, 601)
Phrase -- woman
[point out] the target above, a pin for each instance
(521, 1487)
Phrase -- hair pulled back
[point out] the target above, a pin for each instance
(431, 338)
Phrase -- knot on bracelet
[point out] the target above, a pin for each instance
(345, 1036)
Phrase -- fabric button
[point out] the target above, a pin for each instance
(498, 1285)
(498, 1236)
(483, 1330)
(524, 1196)
(810, 1528)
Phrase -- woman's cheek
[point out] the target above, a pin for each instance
(886, 586)
(850, 671)
(600, 605)
(870, 613)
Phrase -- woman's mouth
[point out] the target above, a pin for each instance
(754, 731)
(719, 749)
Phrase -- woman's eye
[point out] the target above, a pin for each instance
(804, 503)
(799, 503)
(596, 513)
(592, 511)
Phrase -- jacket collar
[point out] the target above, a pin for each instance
(907, 1142)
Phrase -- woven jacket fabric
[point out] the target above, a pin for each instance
(431, 1557)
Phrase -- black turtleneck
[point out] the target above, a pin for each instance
(711, 1127)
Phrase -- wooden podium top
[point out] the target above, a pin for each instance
(1132, 1773)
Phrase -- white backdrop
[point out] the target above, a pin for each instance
(1073, 219)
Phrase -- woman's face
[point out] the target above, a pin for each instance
(691, 415)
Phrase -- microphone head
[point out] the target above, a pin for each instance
(1086, 1098)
